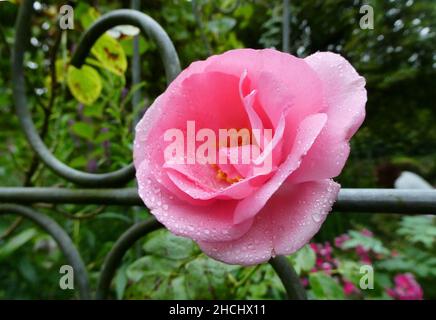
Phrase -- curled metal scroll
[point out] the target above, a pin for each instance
(147, 26)
(62, 239)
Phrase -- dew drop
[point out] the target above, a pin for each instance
(317, 217)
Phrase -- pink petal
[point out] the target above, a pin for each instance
(345, 94)
(272, 149)
(248, 102)
(236, 159)
(299, 211)
(307, 133)
(202, 175)
(292, 216)
(239, 190)
(280, 79)
(212, 222)
(185, 101)
(344, 90)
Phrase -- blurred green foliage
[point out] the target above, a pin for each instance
(89, 125)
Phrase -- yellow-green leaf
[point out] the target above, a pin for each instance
(84, 83)
(88, 18)
(61, 70)
(111, 54)
(127, 44)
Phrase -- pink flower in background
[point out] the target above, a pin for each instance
(327, 263)
(324, 259)
(406, 288)
(339, 240)
(238, 214)
(363, 254)
(304, 282)
(367, 233)
(349, 288)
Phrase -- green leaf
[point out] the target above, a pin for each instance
(28, 270)
(78, 162)
(304, 259)
(350, 270)
(84, 83)
(83, 130)
(110, 54)
(132, 91)
(222, 25)
(422, 263)
(150, 267)
(87, 15)
(61, 69)
(96, 110)
(179, 288)
(127, 44)
(16, 242)
(419, 229)
(369, 243)
(325, 287)
(120, 282)
(165, 244)
(104, 136)
(205, 278)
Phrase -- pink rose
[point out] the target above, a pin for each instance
(273, 203)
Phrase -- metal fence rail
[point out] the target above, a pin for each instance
(13, 199)
(349, 200)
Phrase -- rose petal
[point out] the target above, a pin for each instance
(288, 221)
(239, 190)
(248, 102)
(280, 79)
(307, 133)
(213, 222)
(345, 94)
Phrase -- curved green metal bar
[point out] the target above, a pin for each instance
(62, 239)
(114, 257)
(23, 23)
(146, 24)
(289, 278)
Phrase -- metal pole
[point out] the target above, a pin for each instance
(136, 62)
(349, 200)
(289, 278)
(285, 26)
